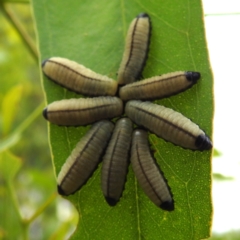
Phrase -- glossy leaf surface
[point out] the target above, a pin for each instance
(93, 34)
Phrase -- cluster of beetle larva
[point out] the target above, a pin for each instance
(109, 99)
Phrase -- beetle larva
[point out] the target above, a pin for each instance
(82, 111)
(78, 78)
(148, 172)
(159, 87)
(136, 50)
(84, 158)
(168, 124)
(116, 161)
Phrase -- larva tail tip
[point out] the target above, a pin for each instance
(61, 191)
(193, 76)
(143, 15)
(168, 206)
(44, 113)
(203, 142)
(44, 62)
(111, 201)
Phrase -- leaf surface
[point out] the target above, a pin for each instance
(93, 34)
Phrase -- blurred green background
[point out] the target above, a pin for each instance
(29, 205)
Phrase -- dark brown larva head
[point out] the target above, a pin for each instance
(192, 76)
(44, 113)
(111, 201)
(203, 142)
(142, 15)
(168, 205)
(44, 62)
(60, 191)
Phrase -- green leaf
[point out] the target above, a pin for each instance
(216, 153)
(9, 141)
(10, 106)
(221, 177)
(231, 235)
(93, 34)
(14, 137)
(9, 165)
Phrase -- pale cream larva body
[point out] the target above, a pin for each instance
(78, 78)
(116, 161)
(148, 173)
(83, 111)
(84, 158)
(136, 50)
(168, 124)
(159, 86)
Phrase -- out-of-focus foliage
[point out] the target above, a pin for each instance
(10, 107)
(220, 177)
(216, 153)
(29, 206)
(232, 235)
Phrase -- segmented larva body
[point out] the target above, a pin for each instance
(83, 111)
(148, 172)
(84, 158)
(159, 87)
(116, 161)
(136, 50)
(78, 78)
(168, 124)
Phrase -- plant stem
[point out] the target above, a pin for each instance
(15, 136)
(42, 208)
(29, 119)
(13, 198)
(11, 16)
